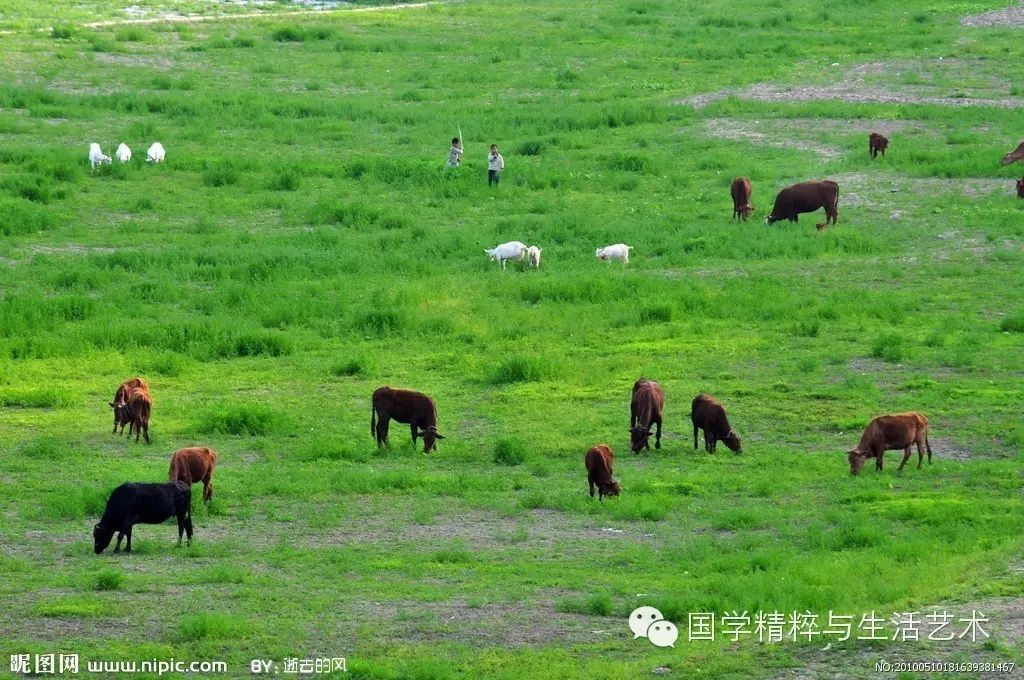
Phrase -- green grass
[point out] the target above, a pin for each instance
(303, 245)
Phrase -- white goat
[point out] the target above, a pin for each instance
(533, 255)
(513, 250)
(156, 153)
(123, 153)
(619, 251)
(96, 156)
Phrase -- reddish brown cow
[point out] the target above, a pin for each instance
(708, 414)
(804, 198)
(405, 406)
(192, 465)
(599, 472)
(139, 405)
(741, 192)
(876, 143)
(1014, 156)
(889, 433)
(1020, 188)
(120, 402)
(644, 411)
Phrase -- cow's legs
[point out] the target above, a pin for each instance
(145, 432)
(920, 452)
(181, 526)
(591, 482)
(878, 461)
(128, 534)
(120, 537)
(382, 431)
(695, 436)
(412, 426)
(657, 434)
(207, 487)
(906, 457)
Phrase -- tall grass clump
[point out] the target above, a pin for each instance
(516, 369)
(108, 579)
(243, 420)
(211, 625)
(509, 452)
(1013, 323)
(889, 347)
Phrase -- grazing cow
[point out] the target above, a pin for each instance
(120, 403)
(133, 503)
(804, 198)
(123, 153)
(192, 465)
(708, 415)
(877, 143)
(533, 255)
(1020, 188)
(741, 191)
(619, 251)
(890, 433)
(139, 406)
(156, 153)
(644, 411)
(513, 250)
(96, 156)
(599, 472)
(1014, 156)
(405, 406)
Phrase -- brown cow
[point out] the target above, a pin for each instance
(876, 143)
(645, 410)
(708, 414)
(405, 406)
(599, 472)
(192, 465)
(1014, 156)
(741, 191)
(1020, 188)
(139, 405)
(121, 401)
(804, 198)
(890, 433)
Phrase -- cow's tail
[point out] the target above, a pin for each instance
(170, 472)
(373, 420)
(928, 446)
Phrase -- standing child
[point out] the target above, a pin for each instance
(495, 164)
(455, 154)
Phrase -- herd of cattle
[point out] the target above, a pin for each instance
(143, 503)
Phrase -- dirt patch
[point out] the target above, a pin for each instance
(1011, 16)
(726, 128)
(943, 447)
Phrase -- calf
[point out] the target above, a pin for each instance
(513, 250)
(618, 251)
(708, 414)
(804, 198)
(139, 405)
(405, 406)
(741, 191)
(192, 465)
(1014, 156)
(120, 403)
(644, 411)
(599, 472)
(890, 433)
(533, 255)
(877, 143)
(132, 503)
(1020, 188)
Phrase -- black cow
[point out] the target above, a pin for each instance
(136, 503)
(804, 198)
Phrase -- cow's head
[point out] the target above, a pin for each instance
(732, 440)
(613, 488)
(857, 459)
(120, 409)
(638, 437)
(1020, 187)
(771, 219)
(101, 536)
(747, 210)
(430, 436)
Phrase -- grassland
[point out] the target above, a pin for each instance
(302, 245)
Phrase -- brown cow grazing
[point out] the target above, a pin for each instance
(876, 143)
(1014, 156)
(708, 414)
(139, 405)
(405, 406)
(804, 198)
(121, 401)
(890, 433)
(741, 191)
(599, 472)
(193, 465)
(1020, 188)
(644, 411)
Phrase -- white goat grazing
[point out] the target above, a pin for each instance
(123, 153)
(156, 153)
(96, 156)
(513, 250)
(533, 255)
(619, 251)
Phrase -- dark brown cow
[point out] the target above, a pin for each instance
(708, 414)
(644, 411)
(877, 143)
(741, 192)
(1020, 188)
(890, 433)
(405, 406)
(139, 405)
(599, 472)
(194, 464)
(804, 198)
(1014, 156)
(121, 401)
